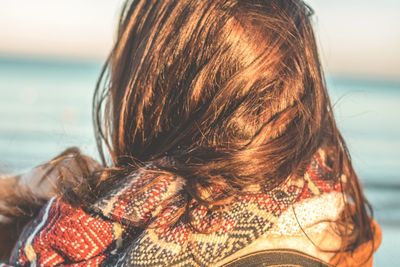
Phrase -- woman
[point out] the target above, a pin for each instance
(221, 143)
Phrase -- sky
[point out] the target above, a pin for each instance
(360, 37)
(356, 37)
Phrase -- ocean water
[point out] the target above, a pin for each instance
(45, 106)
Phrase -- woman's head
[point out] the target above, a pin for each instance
(241, 77)
(232, 90)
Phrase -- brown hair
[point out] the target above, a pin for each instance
(232, 90)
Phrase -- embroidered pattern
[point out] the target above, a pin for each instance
(112, 232)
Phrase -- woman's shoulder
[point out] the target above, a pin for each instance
(319, 240)
(363, 254)
(303, 227)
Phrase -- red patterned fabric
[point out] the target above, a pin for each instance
(112, 232)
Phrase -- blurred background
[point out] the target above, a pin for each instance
(51, 52)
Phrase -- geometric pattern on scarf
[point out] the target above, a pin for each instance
(121, 230)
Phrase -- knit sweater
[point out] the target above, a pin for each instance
(122, 230)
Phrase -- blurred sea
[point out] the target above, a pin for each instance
(45, 106)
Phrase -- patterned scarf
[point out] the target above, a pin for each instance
(122, 230)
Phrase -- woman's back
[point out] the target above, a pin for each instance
(198, 103)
